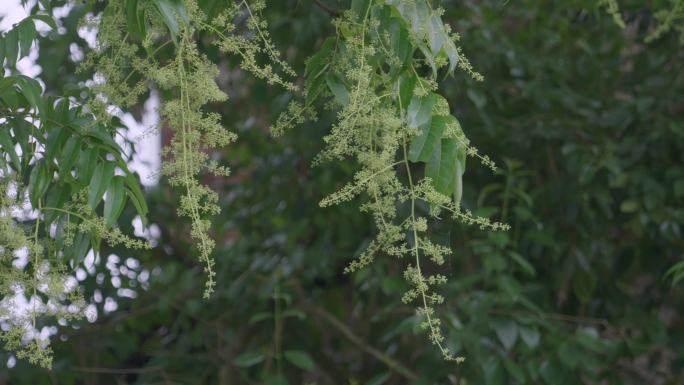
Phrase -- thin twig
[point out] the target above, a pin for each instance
(347, 332)
(327, 9)
(117, 370)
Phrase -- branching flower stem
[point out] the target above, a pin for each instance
(188, 178)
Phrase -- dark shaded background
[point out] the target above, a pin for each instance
(585, 120)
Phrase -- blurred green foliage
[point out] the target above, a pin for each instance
(585, 120)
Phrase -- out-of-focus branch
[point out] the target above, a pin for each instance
(326, 9)
(356, 340)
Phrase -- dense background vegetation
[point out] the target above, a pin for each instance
(585, 120)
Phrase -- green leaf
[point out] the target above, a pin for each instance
(435, 34)
(78, 250)
(676, 271)
(32, 91)
(172, 11)
(101, 139)
(515, 370)
(506, 330)
(98, 185)
(430, 30)
(442, 166)
(21, 130)
(629, 206)
(116, 198)
(57, 136)
(315, 68)
(523, 263)
(429, 58)
(569, 353)
(135, 193)
(300, 359)
(47, 4)
(493, 372)
(406, 86)
(419, 111)
(294, 313)
(338, 89)
(86, 165)
(379, 379)
(552, 372)
(248, 359)
(70, 154)
(27, 32)
(316, 64)
(400, 43)
(2, 50)
(259, 317)
(45, 19)
(134, 19)
(11, 47)
(39, 181)
(360, 8)
(584, 284)
(458, 174)
(7, 146)
(530, 336)
(430, 137)
(58, 194)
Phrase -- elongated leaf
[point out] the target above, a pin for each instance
(248, 359)
(69, 155)
(316, 63)
(423, 145)
(338, 89)
(78, 250)
(523, 263)
(21, 131)
(98, 185)
(116, 198)
(11, 47)
(360, 8)
(379, 379)
(406, 85)
(315, 68)
(419, 111)
(7, 146)
(507, 331)
(57, 137)
(27, 32)
(39, 181)
(2, 50)
(57, 195)
(47, 4)
(300, 359)
(515, 370)
(401, 43)
(458, 174)
(86, 165)
(136, 196)
(172, 11)
(101, 139)
(32, 91)
(45, 19)
(676, 272)
(442, 166)
(530, 335)
(429, 28)
(135, 22)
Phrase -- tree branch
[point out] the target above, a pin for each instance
(349, 334)
(326, 9)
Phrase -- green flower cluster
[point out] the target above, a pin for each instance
(380, 73)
